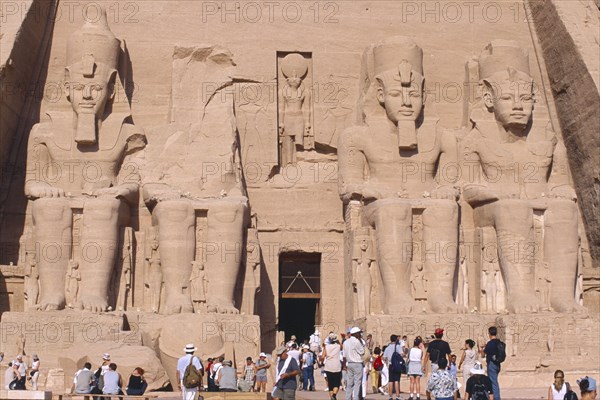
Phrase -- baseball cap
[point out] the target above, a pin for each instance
(262, 355)
(439, 331)
(355, 329)
(587, 381)
(106, 356)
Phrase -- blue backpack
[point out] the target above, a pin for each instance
(397, 365)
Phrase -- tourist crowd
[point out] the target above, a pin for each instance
(346, 362)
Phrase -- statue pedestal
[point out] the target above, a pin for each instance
(233, 335)
(65, 340)
(536, 344)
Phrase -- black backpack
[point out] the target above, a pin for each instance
(570, 395)
(500, 352)
(479, 392)
(397, 365)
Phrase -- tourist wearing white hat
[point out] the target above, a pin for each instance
(354, 348)
(479, 386)
(182, 364)
(260, 366)
(308, 369)
(35, 371)
(22, 369)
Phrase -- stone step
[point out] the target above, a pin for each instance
(25, 394)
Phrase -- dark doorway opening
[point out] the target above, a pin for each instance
(299, 294)
(297, 317)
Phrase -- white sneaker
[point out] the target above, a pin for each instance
(326, 390)
(381, 390)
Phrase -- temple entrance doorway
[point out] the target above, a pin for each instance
(299, 294)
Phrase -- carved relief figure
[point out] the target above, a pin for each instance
(155, 276)
(373, 164)
(73, 282)
(489, 287)
(544, 281)
(522, 155)
(125, 282)
(198, 286)
(252, 277)
(419, 283)
(99, 149)
(363, 256)
(336, 119)
(32, 284)
(295, 111)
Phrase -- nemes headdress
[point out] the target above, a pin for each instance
(398, 58)
(94, 43)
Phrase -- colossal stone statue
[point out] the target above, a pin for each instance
(83, 161)
(195, 175)
(515, 169)
(294, 112)
(392, 165)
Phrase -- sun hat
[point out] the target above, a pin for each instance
(190, 348)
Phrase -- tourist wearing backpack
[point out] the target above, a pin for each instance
(495, 353)
(479, 386)
(396, 365)
(193, 362)
(377, 366)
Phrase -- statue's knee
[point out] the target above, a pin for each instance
(445, 213)
(50, 209)
(102, 209)
(384, 212)
(561, 210)
(173, 210)
(227, 213)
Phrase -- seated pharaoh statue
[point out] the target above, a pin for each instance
(515, 171)
(192, 185)
(392, 165)
(82, 172)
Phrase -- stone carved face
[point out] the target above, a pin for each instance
(511, 100)
(401, 102)
(364, 244)
(88, 94)
(294, 81)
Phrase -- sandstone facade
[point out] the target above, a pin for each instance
(222, 199)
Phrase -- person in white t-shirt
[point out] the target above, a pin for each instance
(10, 375)
(35, 371)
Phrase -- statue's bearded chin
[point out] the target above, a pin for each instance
(86, 127)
